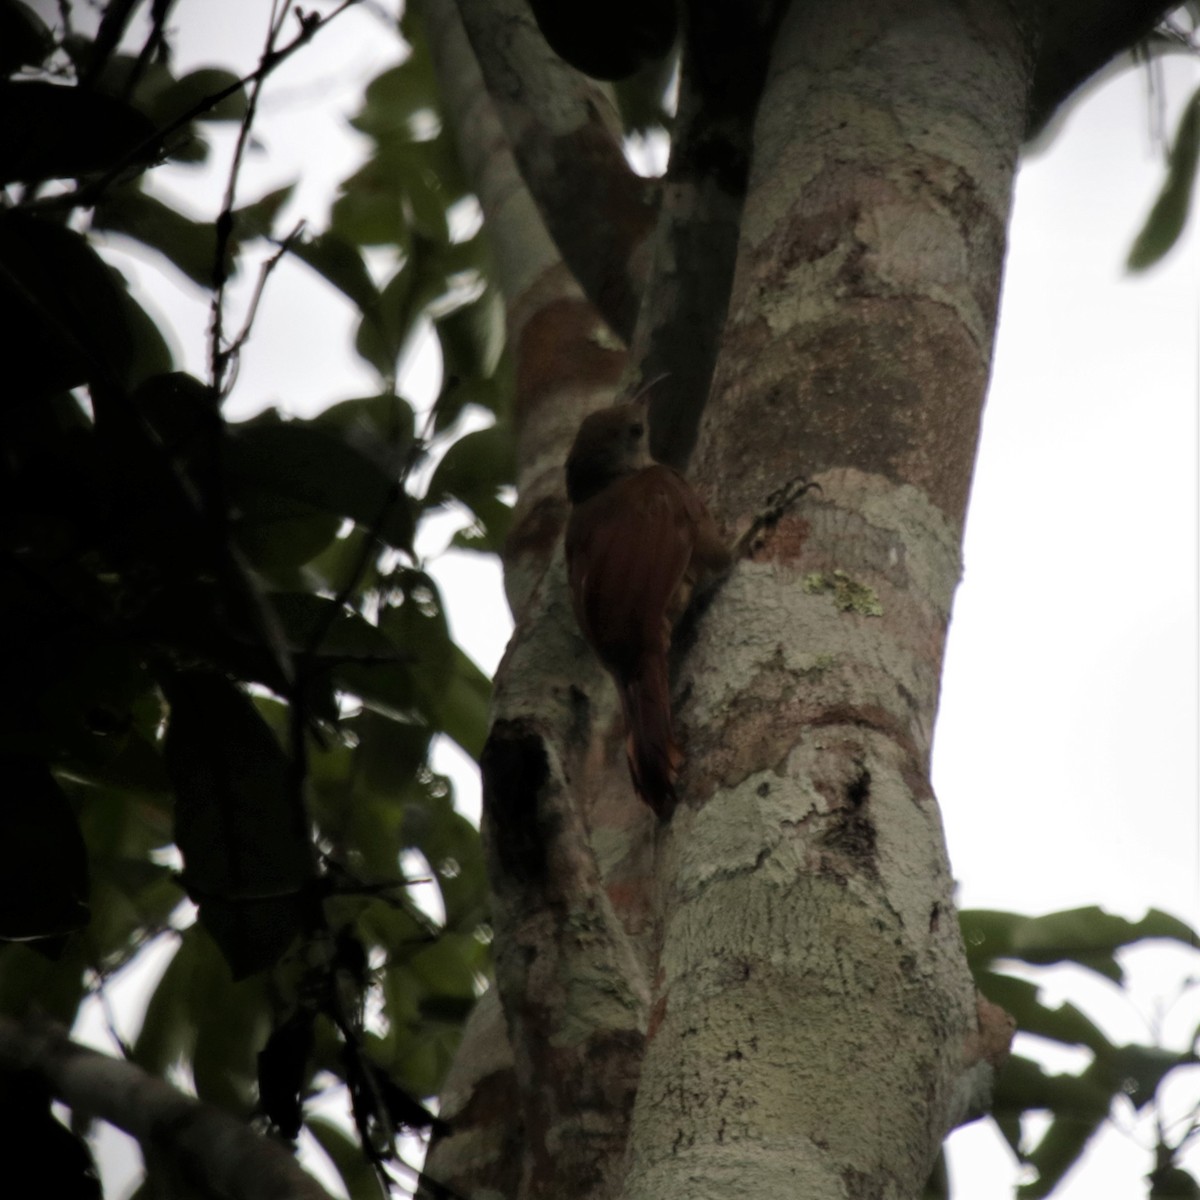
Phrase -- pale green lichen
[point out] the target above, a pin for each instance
(848, 594)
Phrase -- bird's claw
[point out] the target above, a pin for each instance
(783, 498)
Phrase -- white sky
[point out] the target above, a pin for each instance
(1066, 748)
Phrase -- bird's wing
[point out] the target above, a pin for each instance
(628, 549)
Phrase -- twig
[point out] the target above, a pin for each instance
(155, 40)
(265, 272)
(108, 37)
(219, 357)
(90, 193)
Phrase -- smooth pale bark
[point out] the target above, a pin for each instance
(814, 1013)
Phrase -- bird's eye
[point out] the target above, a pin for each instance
(636, 430)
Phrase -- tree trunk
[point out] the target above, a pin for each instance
(768, 994)
(813, 1005)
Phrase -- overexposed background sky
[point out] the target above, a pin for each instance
(1066, 749)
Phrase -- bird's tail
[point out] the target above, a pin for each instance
(654, 756)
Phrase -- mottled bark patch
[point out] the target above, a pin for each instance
(561, 342)
(867, 1185)
(626, 202)
(498, 1172)
(761, 729)
(781, 541)
(490, 1103)
(851, 836)
(535, 532)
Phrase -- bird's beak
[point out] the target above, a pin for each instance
(642, 396)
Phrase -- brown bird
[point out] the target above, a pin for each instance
(638, 541)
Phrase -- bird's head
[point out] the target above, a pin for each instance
(610, 444)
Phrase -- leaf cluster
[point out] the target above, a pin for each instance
(227, 659)
(1078, 1104)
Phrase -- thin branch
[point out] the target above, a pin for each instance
(113, 23)
(264, 274)
(566, 139)
(90, 193)
(214, 1151)
(219, 357)
(155, 41)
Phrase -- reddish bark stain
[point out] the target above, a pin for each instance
(558, 345)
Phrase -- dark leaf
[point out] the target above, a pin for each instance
(324, 628)
(185, 415)
(457, 394)
(1022, 1000)
(341, 263)
(1169, 215)
(462, 707)
(450, 844)
(167, 1033)
(46, 977)
(257, 218)
(472, 337)
(394, 97)
(197, 87)
(361, 1180)
(370, 214)
(641, 97)
(230, 1018)
(1023, 1085)
(48, 131)
(24, 38)
(302, 461)
(427, 200)
(476, 467)
(87, 706)
(150, 355)
(43, 862)
(1138, 1071)
(278, 532)
(283, 1071)
(238, 823)
(1087, 936)
(389, 751)
(1172, 1183)
(36, 1146)
(1059, 1149)
(448, 966)
(1079, 1104)
(381, 427)
(474, 471)
(370, 1087)
(67, 317)
(383, 334)
(189, 245)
